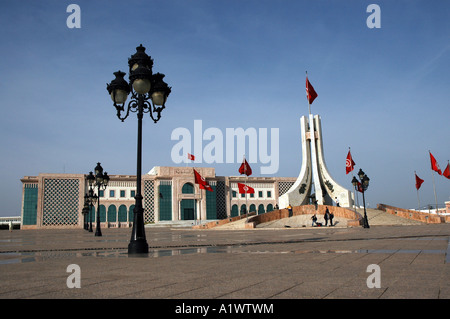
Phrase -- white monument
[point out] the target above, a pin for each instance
(314, 171)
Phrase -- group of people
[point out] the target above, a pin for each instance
(327, 216)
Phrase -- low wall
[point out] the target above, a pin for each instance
(412, 214)
(354, 218)
(221, 222)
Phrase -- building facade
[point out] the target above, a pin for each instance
(170, 194)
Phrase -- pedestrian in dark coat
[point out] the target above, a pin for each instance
(326, 216)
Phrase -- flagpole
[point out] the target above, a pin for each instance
(434, 186)
(309, 104)
(355, 199)
(418, 200)
(245, 190)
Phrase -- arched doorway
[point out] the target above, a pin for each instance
(187, 209)
(261, 209)
(102, 212)
(187, 206)
(131, 214)
(234, 210)
(122, 214)
(112, 214)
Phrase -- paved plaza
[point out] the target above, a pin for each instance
(413, 262)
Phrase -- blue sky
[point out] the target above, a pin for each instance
(383, 92)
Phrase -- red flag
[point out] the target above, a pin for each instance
(360, 188)
(419, 181)
(447, 171)
(310, 92)
(191, 157)
(244, 189)
(245, 168)
(434, 164)
(349, 164)
(201, 182)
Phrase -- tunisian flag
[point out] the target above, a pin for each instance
(349, 164)
(419, 181)
(244, 189)
(201, 182)
(310, 92)
(191, 157)
(447, 171)
(245, 168)
(434, 165)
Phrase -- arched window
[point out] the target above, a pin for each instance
(269, 208)
(131, 214)
(112, 213)
(252, 208)
(243, 209)
(102, 212)
(122, 215)
(234, 210)
(188, 188)
(92, 214)
(261, 209)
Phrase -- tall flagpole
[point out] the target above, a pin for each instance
(434, 186)
(355, 200)
(309, 104)
(245, 188)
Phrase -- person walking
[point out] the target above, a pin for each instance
(326, 216)
(290, 210)
(314, 219)
(331, 219)
(337, 202)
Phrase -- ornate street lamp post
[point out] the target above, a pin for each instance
(91, 200)
(85, 212)
(362, 187)
(100, 181)
(148, 95)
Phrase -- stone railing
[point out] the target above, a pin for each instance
(354, 218)
(412, 214)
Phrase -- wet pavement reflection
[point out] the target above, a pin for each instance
(25, 257)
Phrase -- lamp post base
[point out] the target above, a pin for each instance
(138, 247)
(366, 222)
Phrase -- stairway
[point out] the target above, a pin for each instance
(379, 217)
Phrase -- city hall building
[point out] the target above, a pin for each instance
(170, 194)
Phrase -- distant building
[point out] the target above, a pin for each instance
(170, 194)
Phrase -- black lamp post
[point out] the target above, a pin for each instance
(85, 212)
(100, 181)
(148, 95)
(91, 199)
(362, 187)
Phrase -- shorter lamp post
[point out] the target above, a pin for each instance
(85, 212)
(100, 181)
(92, 199)
(362, 186)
